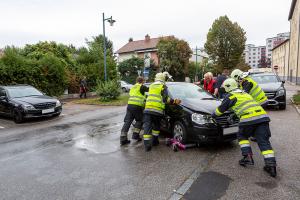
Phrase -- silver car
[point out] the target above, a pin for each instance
(125, 86)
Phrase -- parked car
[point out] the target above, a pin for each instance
(191, 121)
(125, 86)
(24, 101)
(273, 88)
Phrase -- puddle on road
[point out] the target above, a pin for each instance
(102, 140)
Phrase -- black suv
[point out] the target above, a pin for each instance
(25, 101)
(273, 88)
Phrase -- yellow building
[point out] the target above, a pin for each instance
(293, 70)
(280, 59)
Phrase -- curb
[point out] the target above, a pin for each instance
(185, 186)
(295, 106)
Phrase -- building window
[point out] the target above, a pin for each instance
(249, 57)
(269, 45)
(254, 53)
(249, 61)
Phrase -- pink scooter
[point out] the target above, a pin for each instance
(176, 145)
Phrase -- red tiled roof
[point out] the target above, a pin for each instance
(139, 45)
(293, 4)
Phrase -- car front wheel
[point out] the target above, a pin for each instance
(179, 132)
(18, 117)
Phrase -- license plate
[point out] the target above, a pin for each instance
(230, 130)
(48, 111)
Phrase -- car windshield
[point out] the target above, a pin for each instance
(17, 92)
(188, 90)
(260, 79)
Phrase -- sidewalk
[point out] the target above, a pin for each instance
(292, 89)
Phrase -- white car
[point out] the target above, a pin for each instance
(125, 86)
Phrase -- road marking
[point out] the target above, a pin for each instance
(2, 127)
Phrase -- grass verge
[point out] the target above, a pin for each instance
(296, 98)
(120, 101)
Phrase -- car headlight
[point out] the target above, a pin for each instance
(28, 107)
(58, 103)
(201, 119)
(280, 92)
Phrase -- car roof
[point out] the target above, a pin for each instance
(15, 86)
(266, 74)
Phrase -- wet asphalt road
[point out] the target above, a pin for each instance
(77, 156)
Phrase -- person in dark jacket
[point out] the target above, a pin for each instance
(220, 91)
(254, 121)
(135, 108)
(83, 87)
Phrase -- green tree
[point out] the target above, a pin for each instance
(129, 68)
(225, 43)
(174, 56)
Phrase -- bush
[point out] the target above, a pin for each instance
(109, 90)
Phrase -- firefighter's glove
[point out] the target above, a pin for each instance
(176, 101)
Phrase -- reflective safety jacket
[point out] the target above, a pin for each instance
(155, 102)
(244, 106)
(135, 96)
(251, 87)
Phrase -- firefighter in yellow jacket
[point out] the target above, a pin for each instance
(135, 108)
(250, 86)
(154, 109)
(254, 121)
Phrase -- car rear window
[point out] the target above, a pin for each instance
(265, 78)
(17, 92)
(188, 90)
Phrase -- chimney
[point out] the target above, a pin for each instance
(130, 39)
(147, 37)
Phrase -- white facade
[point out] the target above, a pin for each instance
(201, 55)
(125, 56)
(275, 41)
(253, 55)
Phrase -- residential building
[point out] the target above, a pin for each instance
(273, 42)
(201, 54)
(255, 55)
(293, 74)
(280, 59)
(145, 49)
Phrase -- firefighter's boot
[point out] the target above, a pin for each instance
(271, 170)
(155, 141)
(246, 160)
(123, 139)
(136, 136)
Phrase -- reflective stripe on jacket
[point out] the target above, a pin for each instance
(154, 100)
(256, 92)
(246, 108)
(135, 96)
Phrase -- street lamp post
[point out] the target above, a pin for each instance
(111, 21)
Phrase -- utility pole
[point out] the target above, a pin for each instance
(196, 77)
(104, 47)
(111, 21)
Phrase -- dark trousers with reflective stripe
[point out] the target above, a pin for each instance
(262, 134)
(133, 113)
(151, 127)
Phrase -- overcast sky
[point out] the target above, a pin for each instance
(71, 21)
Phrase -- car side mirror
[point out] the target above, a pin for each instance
(283, 82)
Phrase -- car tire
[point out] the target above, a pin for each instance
(124, 90)
(56, 115)
(282, 107)
(18, 117)
(179, 132)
